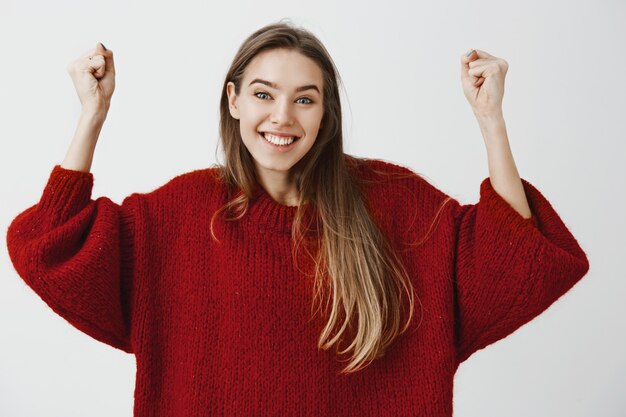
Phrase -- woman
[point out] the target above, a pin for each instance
(211, 279)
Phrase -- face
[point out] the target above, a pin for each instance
(281, 93)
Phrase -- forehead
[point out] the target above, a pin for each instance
(287, 68)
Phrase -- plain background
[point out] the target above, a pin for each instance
(564, 105)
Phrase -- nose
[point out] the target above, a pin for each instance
(282, 113)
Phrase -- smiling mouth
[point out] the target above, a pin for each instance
(278, 140)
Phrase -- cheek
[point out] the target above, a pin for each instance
(313, 120)
(320, 117)
(249, 110)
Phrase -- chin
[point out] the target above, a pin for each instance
(274, 166)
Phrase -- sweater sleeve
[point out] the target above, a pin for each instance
(508, 269)
(77, 255)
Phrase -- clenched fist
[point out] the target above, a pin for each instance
(482, 77)
(93, 75)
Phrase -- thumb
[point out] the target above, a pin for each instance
(108, 57)
(467, 57)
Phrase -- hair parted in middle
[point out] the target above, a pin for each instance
(356, 272)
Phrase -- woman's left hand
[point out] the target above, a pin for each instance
(482, 76)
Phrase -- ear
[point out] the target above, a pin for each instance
(232, 100)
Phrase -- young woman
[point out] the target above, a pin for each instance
(240, 288)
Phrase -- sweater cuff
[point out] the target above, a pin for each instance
(542, 211)
(66, 192)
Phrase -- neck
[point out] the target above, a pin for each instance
(279, 186)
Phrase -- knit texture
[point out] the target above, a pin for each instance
(225, 329)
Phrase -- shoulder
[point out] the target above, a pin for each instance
(393, 177)
(195, 185)
(196, 179)
(399, 195)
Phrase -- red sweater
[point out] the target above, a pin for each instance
(224, 329)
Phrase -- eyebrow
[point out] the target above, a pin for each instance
(273, 85)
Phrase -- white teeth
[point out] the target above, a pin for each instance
(277, 140)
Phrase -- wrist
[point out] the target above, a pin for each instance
(93, 115)
(490, 118)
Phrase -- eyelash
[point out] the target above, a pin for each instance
(264, 92)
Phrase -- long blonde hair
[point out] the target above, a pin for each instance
(362, 278)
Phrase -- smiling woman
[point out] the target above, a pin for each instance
(269, 121)
(281, 102)
(203, 279)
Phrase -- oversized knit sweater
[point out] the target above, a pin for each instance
(224, 329)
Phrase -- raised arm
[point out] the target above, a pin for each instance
(93, 75)
(482, 76)
(76, 253)
(514, 256)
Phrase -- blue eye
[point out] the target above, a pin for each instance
(266, 94)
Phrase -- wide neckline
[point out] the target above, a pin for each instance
(259, 192)
(268, 213)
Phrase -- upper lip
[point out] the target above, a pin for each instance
(286, 135)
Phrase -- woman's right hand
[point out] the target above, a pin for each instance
(93, 75)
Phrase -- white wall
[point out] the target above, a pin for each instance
(564, 106)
